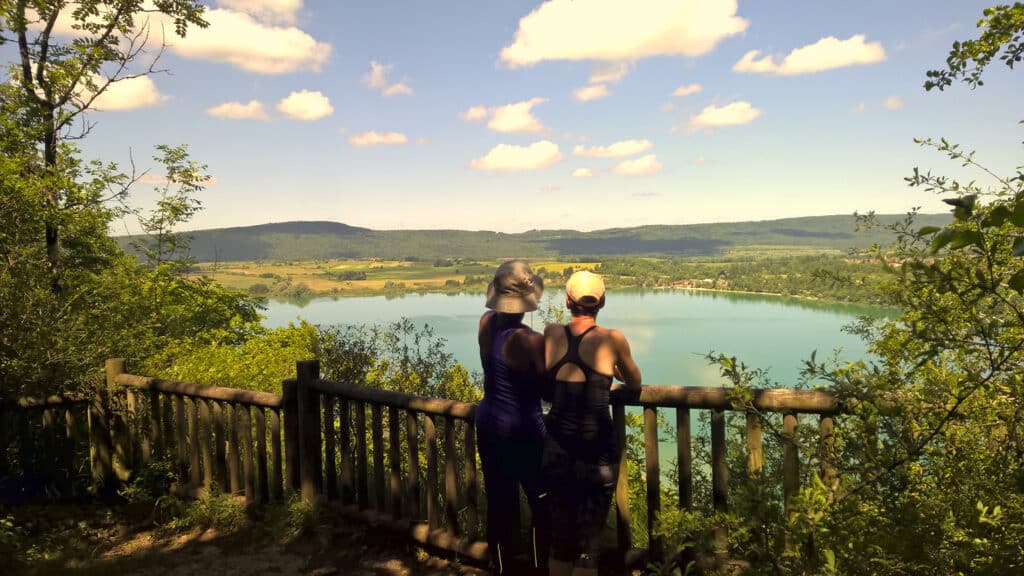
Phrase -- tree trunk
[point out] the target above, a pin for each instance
(52, 219)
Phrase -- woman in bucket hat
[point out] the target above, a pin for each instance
(581, 457)
(509, 425)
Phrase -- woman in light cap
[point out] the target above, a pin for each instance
(509, 425)
(581, 458)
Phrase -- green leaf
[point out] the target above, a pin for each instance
(928, 230)
(998, 216)
(962, 238)
(942, 239)
(1016, 282)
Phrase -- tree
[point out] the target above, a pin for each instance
(1003, 27)
(56, 80)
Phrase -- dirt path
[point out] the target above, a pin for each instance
(110, 541)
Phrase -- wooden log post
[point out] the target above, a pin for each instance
(156, 437)
(755, 456)
(330, 454)
(623, 514)
(244, 423)
(290, 403)
(790, 468)
(684, 458)
(472, 487)
(719, 481)
(206, 441)
(233, 454)
(362, 484)
(167, 425)
(277, 467)
(194, 451)
(101, 449)
(653, 474)
(827, 431)
(413, 444)
(310, 458)
(181, 437)
(220, 467)
(347, 480)
(118, 422)
(430, 431)
(395, 461)
(451, 478)
(71, 455)
(377, 433)
(263, 481)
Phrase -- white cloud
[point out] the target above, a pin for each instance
(238, 111)
(713, 116)
(128, 94)
(367, 139)
(510, 158)
(893, 103)
(274, 11)
(642, 166)
(687, 90)
(515, 117)
(617, 31)
(828, 53)
(615, 150)
(378, 79)
(591, 92)
(474, 113)
(306, 105)
(582, 173)
(608, 73)
(860, 107)
(241, 40)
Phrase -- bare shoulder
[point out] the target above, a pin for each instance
(553, 329)
(485, 317)
(617, 338)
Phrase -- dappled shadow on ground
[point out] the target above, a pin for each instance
(108, 541)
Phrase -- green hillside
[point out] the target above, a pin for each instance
(324, 240)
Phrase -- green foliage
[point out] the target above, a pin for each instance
(213, 510)
(1002, 27)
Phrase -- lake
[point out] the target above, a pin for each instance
(669, 330)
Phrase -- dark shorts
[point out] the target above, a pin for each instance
(580, 492)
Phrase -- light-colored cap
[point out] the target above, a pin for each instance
(515, 288)
(585, 287)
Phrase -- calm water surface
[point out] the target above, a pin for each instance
(669, 331)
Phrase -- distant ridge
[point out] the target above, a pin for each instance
(318, 240)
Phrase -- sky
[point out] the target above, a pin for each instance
(582, 114)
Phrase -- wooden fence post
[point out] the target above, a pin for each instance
(290, 403)
(310, 462)
(101, 449)
(119, 423)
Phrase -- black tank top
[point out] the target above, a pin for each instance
(579, 420)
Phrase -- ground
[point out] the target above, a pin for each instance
(95, 540)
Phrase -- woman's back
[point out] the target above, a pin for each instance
(511, 403)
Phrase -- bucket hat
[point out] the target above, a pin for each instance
(515, 288)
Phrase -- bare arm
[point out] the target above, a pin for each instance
(625, 368)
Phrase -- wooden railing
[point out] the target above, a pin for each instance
(401, 460)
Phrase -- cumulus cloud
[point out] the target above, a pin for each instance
(275, 11)
(687, 90)
(712, 116)
(828, 53)
(615, 150)
(378, 80)
(893, 103)
(582, 173)
(238, 111)
(474, 114)
(642, 166)
(305, 105)
(591, 92)
(617, 31)
(239, 39)
(367, 139)
(129, 94)
(860, 107)
(510, 158)
(515, 117)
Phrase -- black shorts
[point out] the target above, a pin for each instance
(580, 492)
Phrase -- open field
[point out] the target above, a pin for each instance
(367, 276)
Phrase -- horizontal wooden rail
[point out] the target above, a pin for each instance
(47, 402)
(433, 406)
(711, 398)
(234, 395)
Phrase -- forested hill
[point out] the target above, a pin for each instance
(322, 240)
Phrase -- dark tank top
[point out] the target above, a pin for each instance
(510, 407)
(579, 420)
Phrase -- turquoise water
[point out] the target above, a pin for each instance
(669, 331)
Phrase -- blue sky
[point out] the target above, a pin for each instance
(474, 115)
